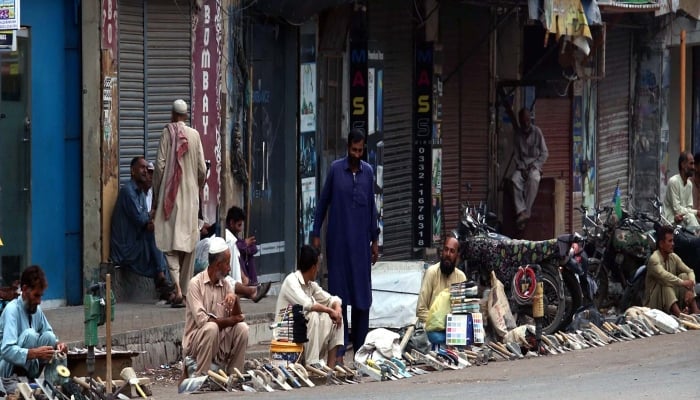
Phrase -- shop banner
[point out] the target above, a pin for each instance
(422, 145)
(109, 27)
(358, 85)
(206, 116)
(9, 14)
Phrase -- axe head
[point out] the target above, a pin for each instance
(189, 385)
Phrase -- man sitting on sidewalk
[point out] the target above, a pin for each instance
(132, 240)
(215, 331)
(437, 278)
(28, 341)
(324, 326)
(669, 284)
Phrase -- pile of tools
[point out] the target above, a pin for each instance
(67, 387)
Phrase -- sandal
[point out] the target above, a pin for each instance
(177, 302)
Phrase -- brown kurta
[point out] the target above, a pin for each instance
(202, 338)
(663, 281)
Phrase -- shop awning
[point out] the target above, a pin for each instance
(627, 6)
(296, 11)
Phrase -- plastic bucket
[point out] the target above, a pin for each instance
(283, 353)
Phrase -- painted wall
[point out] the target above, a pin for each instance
(56, 171)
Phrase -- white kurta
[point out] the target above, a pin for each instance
(180, 232)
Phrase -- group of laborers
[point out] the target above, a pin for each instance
(215, 327)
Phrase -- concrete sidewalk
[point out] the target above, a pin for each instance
(155, 329)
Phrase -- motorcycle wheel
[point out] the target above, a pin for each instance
(554, 302)
(600, 275)
(573, 297)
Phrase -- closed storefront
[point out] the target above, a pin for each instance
(154, 69)
(613, 116)
(465, 136)
(391, 32)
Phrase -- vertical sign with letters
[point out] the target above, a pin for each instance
(206, 116)
(422, 145)
(109, 27)
(358, 84)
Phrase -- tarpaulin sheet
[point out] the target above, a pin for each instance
(395, 289)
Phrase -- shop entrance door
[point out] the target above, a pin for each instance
(15, 139)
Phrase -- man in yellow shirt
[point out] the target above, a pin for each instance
(669, 284)
(438, 277)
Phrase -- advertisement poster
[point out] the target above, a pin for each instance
(9, 14)
(422, 146)
(308, 206)
(307, 102)
(307, 158)
(371, 127)
(577, 138)
(437, 194)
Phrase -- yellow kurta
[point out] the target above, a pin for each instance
(433, 283)
(662, 286)
(180, 232)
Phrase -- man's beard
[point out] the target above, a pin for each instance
(30, 309)
(447, 267)
(690, 172)
(354, 161)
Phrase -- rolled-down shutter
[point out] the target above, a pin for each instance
(168, 65)
(391, 29)
(613, 116)
(465, 145)
(131, 85)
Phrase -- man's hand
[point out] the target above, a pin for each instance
(688, 284)
(250, 241)
(336, 316)
(61, 347)
(316, 242)
(689, 296)
(678, 218)
(229, 303)
(40, 353)
(375, 252)
(150, 226)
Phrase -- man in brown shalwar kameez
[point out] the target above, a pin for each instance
(180, 174)
(669, 284)
(215, 331)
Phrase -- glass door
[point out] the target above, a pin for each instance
(15, 135)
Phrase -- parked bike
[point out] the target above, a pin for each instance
(483, 251)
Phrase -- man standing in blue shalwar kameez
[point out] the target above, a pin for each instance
(351, 235)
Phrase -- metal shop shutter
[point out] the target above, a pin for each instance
(391, 29)
(465, 136)
(154, 69)
(168, 65)
(553, 116)
(131, 85)
(613, 117)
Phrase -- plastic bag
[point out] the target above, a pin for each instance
(499, 308)
(438, 312)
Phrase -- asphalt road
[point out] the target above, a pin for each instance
(659, 367)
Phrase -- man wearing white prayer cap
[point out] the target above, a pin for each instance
(215, 328)
(180, 173)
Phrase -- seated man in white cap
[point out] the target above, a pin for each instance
(215, 331)
(324, 326)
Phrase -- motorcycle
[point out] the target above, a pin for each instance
(616, 249)
(482, 251)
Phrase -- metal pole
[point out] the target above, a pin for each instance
(108, 332)
(682, 91)
(249, 189)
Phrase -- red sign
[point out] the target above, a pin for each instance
(206, 116)
(109, 27)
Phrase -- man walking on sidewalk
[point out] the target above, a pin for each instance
(180, 174)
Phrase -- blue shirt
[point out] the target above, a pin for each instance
(348, 200)
(131, 245)
(13, 322)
